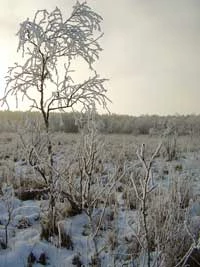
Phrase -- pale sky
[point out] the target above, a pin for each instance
(151, 51)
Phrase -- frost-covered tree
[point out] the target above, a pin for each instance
(50, 44)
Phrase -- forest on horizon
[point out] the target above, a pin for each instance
(108, 123)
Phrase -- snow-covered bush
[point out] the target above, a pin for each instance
(9, 205)
(168, 219)
(143, 191)
(170, 144)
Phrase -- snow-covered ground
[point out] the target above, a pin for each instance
(115, 237)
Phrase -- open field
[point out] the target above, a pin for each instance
(79, 184)
(114, 227)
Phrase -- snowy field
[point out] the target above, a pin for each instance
(109, 230)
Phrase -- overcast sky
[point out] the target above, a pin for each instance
(151, 50)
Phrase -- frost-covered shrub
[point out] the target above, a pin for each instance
(9, 205)
(166, 221)
(170, 144)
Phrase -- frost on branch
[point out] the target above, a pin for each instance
(49, 43)
(56, 37)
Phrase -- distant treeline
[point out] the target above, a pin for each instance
(109, 123)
